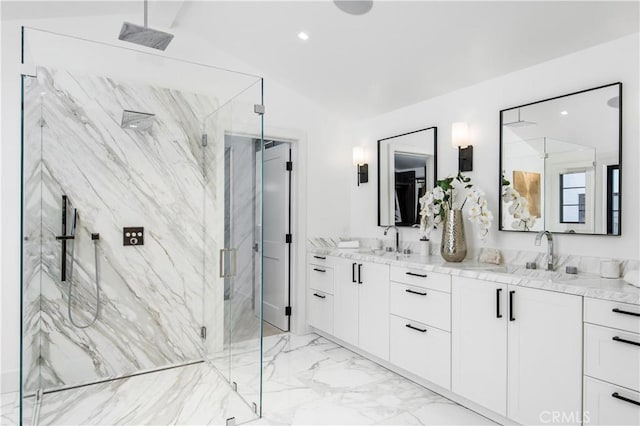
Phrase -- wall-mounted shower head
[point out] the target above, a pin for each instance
(144, 35)
(136, 120)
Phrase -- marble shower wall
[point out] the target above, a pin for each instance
(152, 301)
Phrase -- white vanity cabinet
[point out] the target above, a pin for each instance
(517, 348)
(320, 276)
(479, 342)
(420, 323)
(361, 305)
(611, 362)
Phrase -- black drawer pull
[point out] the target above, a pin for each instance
(359, 273)
(622, 398)
(353, 272)
(319, 270)
(421, 330)
(620, 311)
(416, 292)
(619, 339)
(413, 274)
(511, 317)
(319, 295)
(320, 257)
(498, 313)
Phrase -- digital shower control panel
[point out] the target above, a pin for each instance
(133, 236)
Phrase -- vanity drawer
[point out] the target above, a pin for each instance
(420, 304)
(321, 311)
(321, 260)
(603, 404)
(321, 278)
(612, 355)
(417, 277)
(422, 350)
(623, 316)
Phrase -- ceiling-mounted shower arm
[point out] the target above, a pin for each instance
(146, 11)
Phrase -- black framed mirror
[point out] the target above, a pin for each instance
(560, 163)
(407, 168)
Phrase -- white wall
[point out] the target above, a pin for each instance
(321, 144)
(479, 105)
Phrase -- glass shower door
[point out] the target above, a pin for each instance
(234, 268)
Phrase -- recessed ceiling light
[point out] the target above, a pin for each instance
(564, 112)
(303, 36)
(133, 126)
(354, 7)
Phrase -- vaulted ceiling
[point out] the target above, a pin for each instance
(398, 54)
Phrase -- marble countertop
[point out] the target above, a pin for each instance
(616, 290)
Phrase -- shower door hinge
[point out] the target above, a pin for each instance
(258, 109)
(289, 166)
(204, 140)
(287, 311)
(203, 333)
(287, 238)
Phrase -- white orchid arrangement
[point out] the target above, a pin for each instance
(441, 198)
(518, 208)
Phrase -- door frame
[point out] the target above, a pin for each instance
(297, 222)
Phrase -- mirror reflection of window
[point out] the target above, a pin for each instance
(573, 189)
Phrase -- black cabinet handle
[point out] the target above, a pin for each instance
(359, 273)
(413, 274)
(498, 313)
(353, 272)
(319, 295)
(622, 398)
(320, 257)
(421, 330)
(511, 317)
(416, 292)
(319, 270)
(620, 311)
(621, 340)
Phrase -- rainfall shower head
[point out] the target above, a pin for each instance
(144, 35)
(136, 120)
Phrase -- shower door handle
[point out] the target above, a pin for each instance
(223, 272)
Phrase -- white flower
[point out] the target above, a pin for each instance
(438, 193)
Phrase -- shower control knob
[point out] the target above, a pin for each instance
(133, 236)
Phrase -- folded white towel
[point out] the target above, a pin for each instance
(633, 278)
(349, 244)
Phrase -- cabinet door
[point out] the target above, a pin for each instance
(373, 309)
(345, 306)
(479, 342)
(545, 355)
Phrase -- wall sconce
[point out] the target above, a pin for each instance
(460, 139)
(359, 161)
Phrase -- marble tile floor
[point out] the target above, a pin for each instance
(311, 380)
(307, 380)
(188, 395)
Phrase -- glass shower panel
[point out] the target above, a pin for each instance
(236, 348)
(123, 219)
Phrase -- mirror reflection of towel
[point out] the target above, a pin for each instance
(398, 214)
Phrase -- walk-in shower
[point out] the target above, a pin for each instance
(142, 333)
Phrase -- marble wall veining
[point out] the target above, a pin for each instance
(152, 301)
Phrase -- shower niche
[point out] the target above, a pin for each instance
(97, 316)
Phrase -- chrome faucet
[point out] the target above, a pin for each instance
(397, 237)
(549, 247)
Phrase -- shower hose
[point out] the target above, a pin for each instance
(95, 239)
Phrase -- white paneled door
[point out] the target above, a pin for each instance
(276, 222)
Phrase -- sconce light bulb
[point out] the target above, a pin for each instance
(460, 135)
